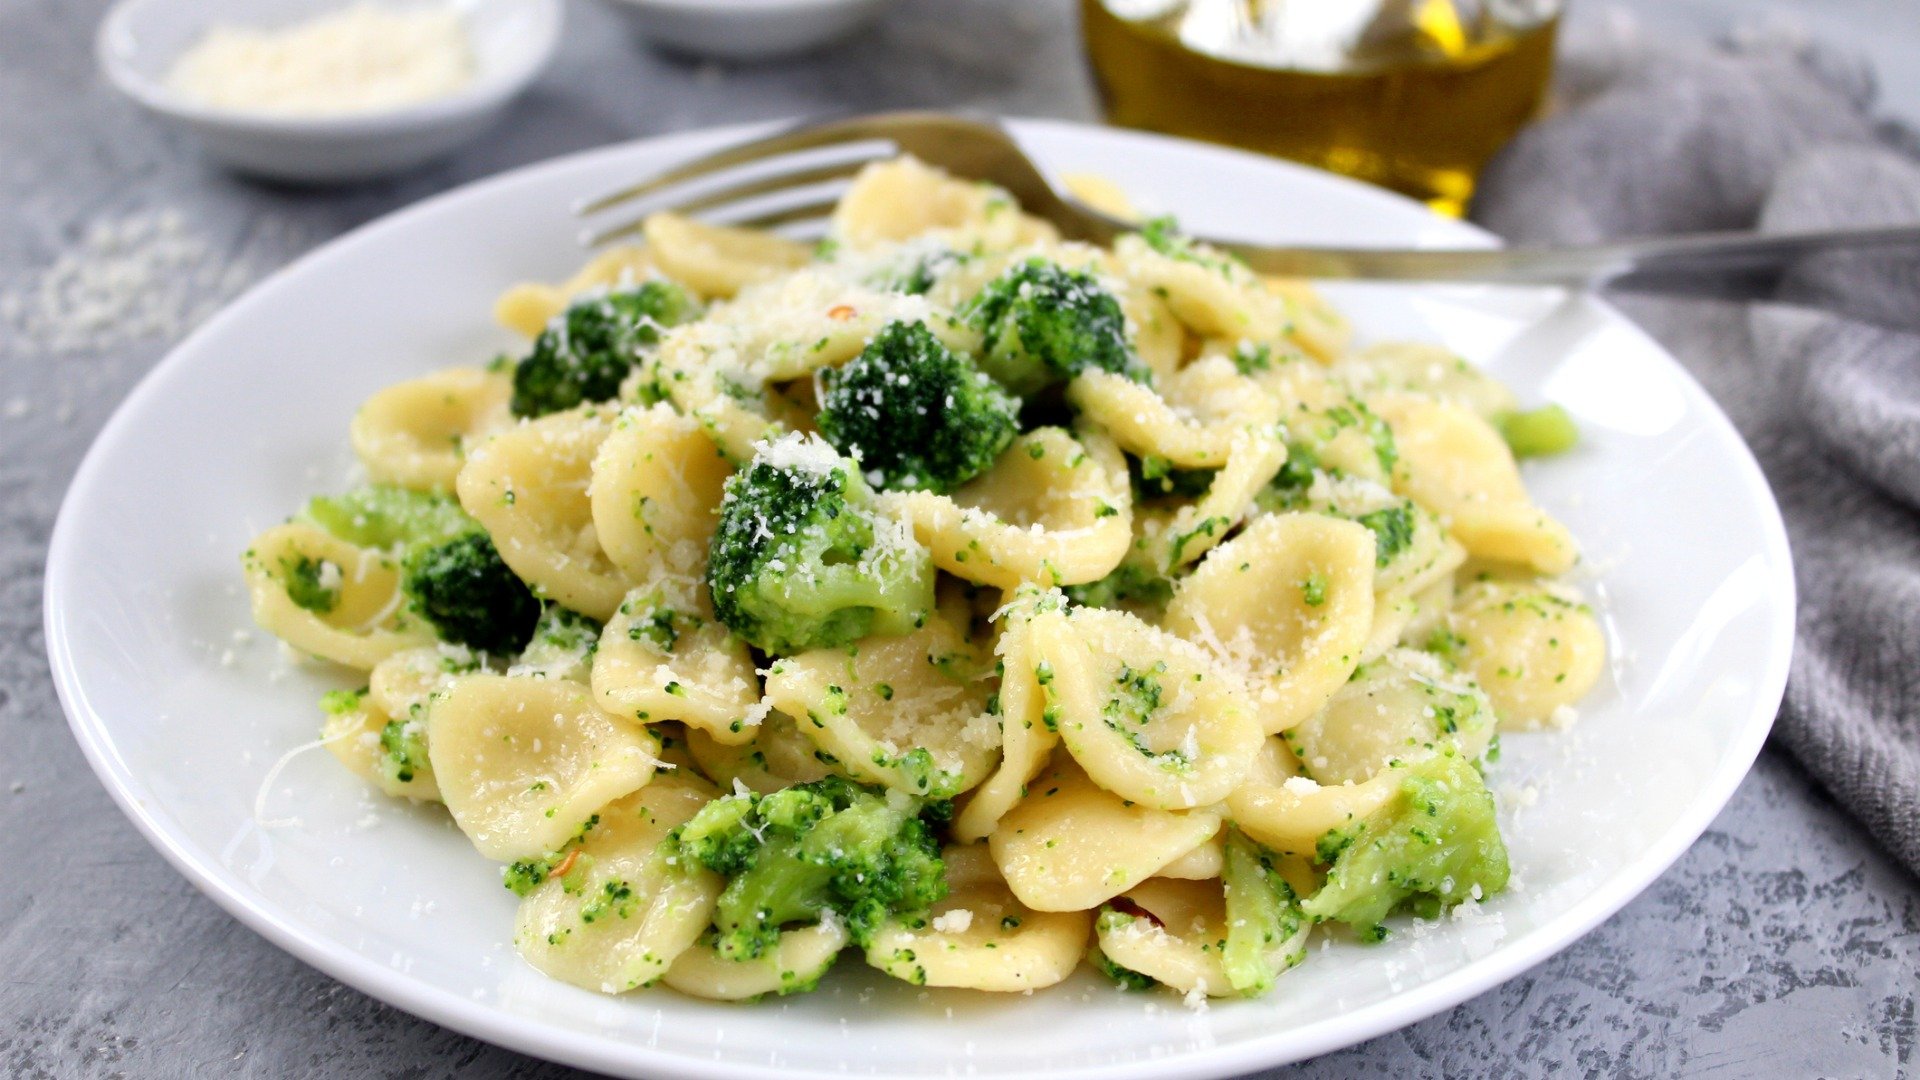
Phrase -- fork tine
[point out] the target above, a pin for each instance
(770, 184)
(788, 215)
(785, 215)
(805, 135)
(737, 193)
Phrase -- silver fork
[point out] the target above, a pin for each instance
(1733, 265)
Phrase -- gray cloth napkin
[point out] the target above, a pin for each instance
(1653, 137)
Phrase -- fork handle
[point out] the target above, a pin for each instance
(1728, 265)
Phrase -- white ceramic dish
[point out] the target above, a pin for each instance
(139, 41)
(182, 722)
(745, 30)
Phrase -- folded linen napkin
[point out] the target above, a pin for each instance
(1652, 137)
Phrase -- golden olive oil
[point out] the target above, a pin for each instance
(1419, 112)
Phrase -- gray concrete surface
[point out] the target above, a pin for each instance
(1783, 944)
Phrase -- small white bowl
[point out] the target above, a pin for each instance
(745, 29)
(139, 41)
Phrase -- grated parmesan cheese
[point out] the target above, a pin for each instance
(953, 922)
(359, 59)
(807, 454)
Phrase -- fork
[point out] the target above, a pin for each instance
(1727, 265)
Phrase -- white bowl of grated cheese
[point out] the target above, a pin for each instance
(745, 29)
(322, 91)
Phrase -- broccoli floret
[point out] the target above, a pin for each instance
(384, 516)
(567, 863)
(1154, 476)
(798, 854)
(562, 646)
(312, 584)
(1266, 933)
(586, 352)
(1163, 234)
(1435, 844)
(342, 702)
(1131, 585)
(800, 559)
(469, 594)
(451, 573)
(916, 413)
(1043, 323)
(1540, 432)
(403, 750)
(1392, 531)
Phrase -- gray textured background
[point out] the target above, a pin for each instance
(1783, 944)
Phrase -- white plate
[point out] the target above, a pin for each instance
(248, 416)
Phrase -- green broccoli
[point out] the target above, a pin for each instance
(470, 595)
(1154, 476)
(403, 750)
(403, 742)
(562, 646)
(1043, 323)
(584, 353)
(916, 413)
(385, 516)
(342, 702)
(312, 584)
(1131, 585)
(1434, 845)
(451, 573)
(1392, 531)
(1540, 432)
(1164, 235)
(1266, 933)
(800, 559)
(826, 849)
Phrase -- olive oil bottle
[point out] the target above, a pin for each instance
(1414, 95)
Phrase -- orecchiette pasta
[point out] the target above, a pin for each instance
(717, 261)
(909, 713)
(1026, 741)
(948, 593)
(1211, 293)
(663, 656)
(904, 199)
(1401, 707)
(527, 308)
(1193, 422)
(803, 955)
(1071, 845)
(355, 614)
(655, 494)
(1426, 370)
(1533, 649)
(981, 936)
(529, 485)
(631, 911)
(1291, 813)
(777, 756)
(1055, 510)
(1456, 465)
(415, 433)
(1289, 603)
(1149, 716)
(524, 763)
(1178, 939)
(357, 735)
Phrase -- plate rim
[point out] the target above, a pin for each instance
(492, 1024)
